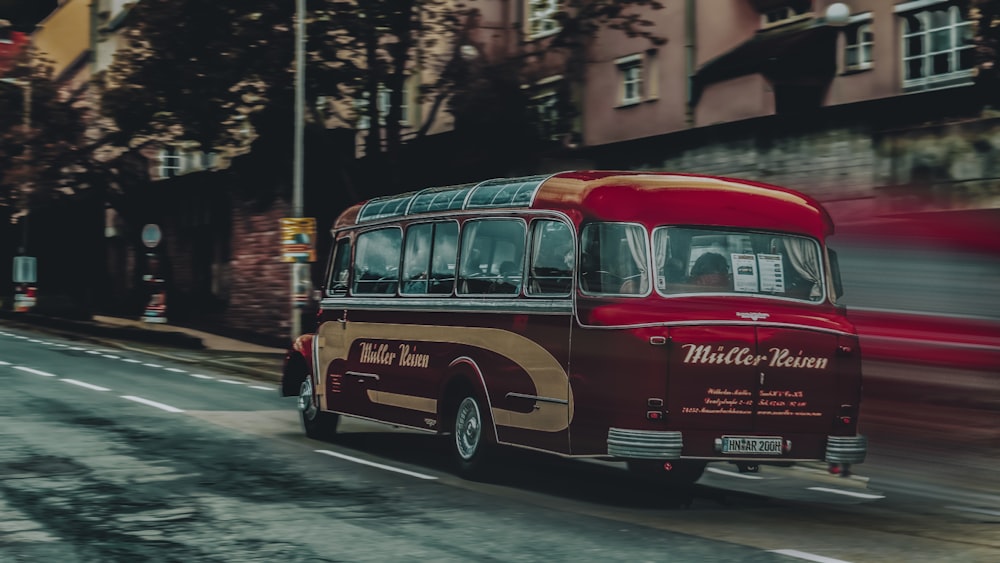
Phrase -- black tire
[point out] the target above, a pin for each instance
(471, 439)
(317, 424)
(681, 473)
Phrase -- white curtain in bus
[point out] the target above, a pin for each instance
(802, 255)
(637, 247)
(660, 242)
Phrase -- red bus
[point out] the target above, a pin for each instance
(664, 320)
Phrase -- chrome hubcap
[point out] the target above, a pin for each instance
(306, 404)
(468, 428)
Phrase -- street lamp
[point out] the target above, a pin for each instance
(838, 14)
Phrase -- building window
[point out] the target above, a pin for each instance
(785, 13)
(361, 111)
(937, 48)
(631, 82)
(384, 101)
(858, 49)
(171, 163)
(632, 89)
(547, 113)
(541, 20)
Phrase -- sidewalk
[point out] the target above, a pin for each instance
(166, 341)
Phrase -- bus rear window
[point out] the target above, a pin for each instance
(691, 260)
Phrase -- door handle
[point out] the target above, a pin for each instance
(363, 376)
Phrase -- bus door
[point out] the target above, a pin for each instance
(534, 399)
(332, 337)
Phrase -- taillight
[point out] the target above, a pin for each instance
(847, 414)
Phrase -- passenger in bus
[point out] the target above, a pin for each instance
(710, 269)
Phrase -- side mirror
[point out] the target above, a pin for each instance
(838, 285)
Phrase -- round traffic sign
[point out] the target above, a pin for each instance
(151, 235)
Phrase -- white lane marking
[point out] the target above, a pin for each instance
(846, 493)
(262, 388)
(35, 371)
(110, 357)
(733, 473)
(21, 337)
(76, 348)
(230, 381)
(378, 465)
(200, 376)
(176, 370)
(153, 365)
(807, 556)
(167, 408)
(36, 341)
(975, 510)
(87, 385)
(3, 363)
(93, 352)
(58, 345)
(131, 361)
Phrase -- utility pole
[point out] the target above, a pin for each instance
(297, 168)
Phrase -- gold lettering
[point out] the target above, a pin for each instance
(409, 358)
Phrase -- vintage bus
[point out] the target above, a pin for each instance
(665, 320)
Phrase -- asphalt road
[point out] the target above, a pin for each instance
(111, 455)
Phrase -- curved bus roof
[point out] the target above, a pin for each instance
(650, 198)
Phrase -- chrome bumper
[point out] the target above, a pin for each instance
(846, 449)
(644, 444)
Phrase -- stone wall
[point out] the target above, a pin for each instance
(258, 280)
(850, 164)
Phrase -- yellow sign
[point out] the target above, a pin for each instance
(298, 239)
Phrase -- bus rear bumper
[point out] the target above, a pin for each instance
(644, 444)
(846, 449)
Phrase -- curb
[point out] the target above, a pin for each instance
(164, 337)
(109, 335)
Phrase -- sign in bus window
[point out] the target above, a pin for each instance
(340, 269)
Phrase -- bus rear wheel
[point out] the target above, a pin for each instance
(317, 424)
(470, 438)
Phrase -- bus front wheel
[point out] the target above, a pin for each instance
(317, 424)
(470, 438)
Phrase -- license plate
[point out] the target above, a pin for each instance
(760, 445)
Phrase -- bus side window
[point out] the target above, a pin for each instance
(443, 257)
(552, 258)
(492, 257)
(416, 258)
(376, 264)
(341, 268)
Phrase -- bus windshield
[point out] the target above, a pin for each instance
(707, 260)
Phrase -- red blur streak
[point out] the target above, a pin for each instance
(920, 338)
(925, 339)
